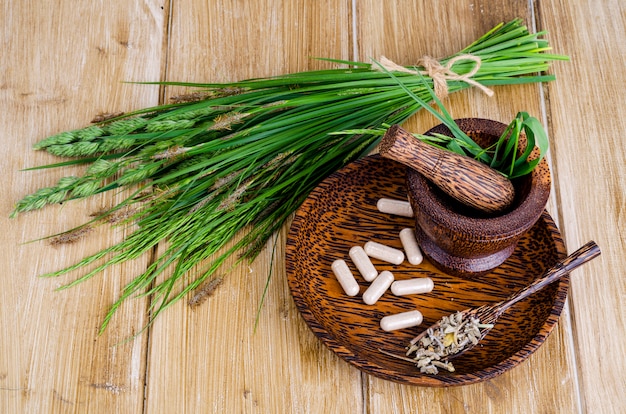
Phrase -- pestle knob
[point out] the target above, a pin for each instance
(467, 180)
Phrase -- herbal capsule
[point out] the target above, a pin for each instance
(362, 262)
(412, 286)
(384, 253)
(397, 207)
(412, 250)
(378, 287)
(345, 277)
(401, 320)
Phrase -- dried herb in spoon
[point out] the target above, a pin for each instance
(430, 351)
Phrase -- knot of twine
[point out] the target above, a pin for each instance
(440, 74)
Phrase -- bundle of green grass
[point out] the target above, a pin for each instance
(238, 158)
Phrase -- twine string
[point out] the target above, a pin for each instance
(439, 73)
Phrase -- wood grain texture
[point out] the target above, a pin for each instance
(216, 361)
(61, 66)
(63, 63)
(587, 112)
(405, 41)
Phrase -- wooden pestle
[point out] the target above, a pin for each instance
(467, 180)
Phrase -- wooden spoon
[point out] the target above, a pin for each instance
(467, 180)
(489, 314)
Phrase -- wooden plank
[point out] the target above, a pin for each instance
(404, 31)
(587, 115)
(62, 65)
(210, 358)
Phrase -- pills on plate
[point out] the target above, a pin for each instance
(401, 320)
(384, 253)
(363, 263)
(412, 286)
(345, 277)
(397, 207)
(378, 287)
(409, 243)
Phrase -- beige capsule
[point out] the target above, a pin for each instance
(345, 277)
(384, 253)
(363, 263)
(401, 320)
(411, 248)
(412, 286)
(396, 207)
(378, 287)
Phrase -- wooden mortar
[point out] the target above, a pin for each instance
(459, 239)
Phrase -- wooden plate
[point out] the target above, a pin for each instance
(340, 213)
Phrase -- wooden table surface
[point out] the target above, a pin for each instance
(63, 62)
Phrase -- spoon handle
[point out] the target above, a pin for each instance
(581, 256)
